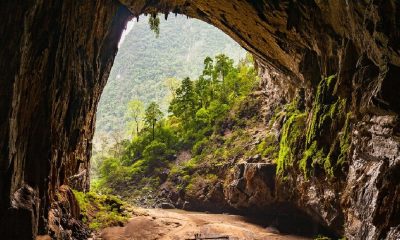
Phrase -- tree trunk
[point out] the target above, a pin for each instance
(154, 122)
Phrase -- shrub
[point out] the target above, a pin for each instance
(155, 149)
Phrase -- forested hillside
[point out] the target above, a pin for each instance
(201, 111)
(144, 61)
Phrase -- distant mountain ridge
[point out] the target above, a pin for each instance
(144, 61)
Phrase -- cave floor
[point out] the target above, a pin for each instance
(178, 224)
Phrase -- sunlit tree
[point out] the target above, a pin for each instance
(153, 114)
(134, 114)
(172, 84)
(184, 104)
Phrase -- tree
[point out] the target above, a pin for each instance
(152, 115)
(208, 67)
(203, 91)
(184, 104)
(172, 84)
(135, 113)
(222, 66)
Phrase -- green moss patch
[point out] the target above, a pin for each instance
(101, 211)
(291, 139)
(328, 132)
(316, 140)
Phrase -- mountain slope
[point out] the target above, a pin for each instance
(144, 61)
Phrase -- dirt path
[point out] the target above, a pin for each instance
(176, 224)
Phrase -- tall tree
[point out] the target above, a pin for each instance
(135, 113)
(208, 67)
(203, 91)
(152, 115)
(184, 105)
(223, 64)
(172, 84)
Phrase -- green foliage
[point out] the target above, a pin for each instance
(278, 114)
(198, 110)
(291, 138)
(101, 211)
(328, 113)
(184, 105)
(344, 139)
(153, 114)
(155, 151)
(144, 62)
(83, 202)
(197, 183)
(321, 237)
(269, 147)
(326, 142)
(325, 108)
(140, 158)
(154, 23)
(134, 115)
(310, 154)
(199, 146)
(202, 105)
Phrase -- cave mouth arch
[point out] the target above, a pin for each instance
(182, 41)
(57, 57)
(178, 52)
(288, 214)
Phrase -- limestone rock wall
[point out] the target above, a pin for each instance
(55, 60)
(361, 201)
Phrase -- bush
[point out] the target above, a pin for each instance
(155, 151)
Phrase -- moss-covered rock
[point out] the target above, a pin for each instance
(328, 135)
(291, 140)
(101, 211)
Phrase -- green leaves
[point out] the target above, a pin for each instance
(185, 103)
(154, 23)
(208, 99)
(198, 110)
(153, 114)
(155, 151)
(134, 115)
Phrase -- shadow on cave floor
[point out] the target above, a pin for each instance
(179, 224)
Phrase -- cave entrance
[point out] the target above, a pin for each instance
(148, 69)
(166, 163)
(56, 61)
(133, 160)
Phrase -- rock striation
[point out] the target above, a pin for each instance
(55, 59)
(56, 56)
